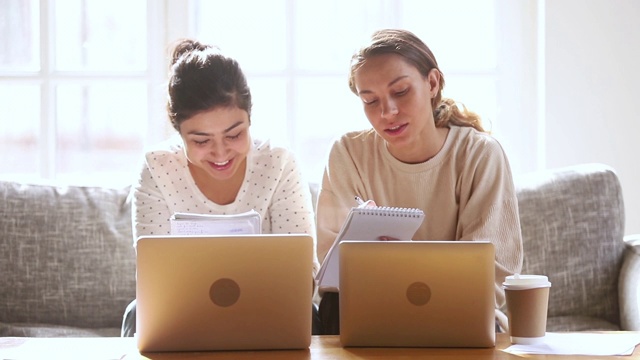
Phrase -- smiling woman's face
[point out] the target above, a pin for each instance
(217, 141)
(396, 99)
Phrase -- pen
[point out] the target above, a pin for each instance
(359, 200)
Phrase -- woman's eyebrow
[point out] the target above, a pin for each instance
(203, 133)
(200, 133)
(397, 79)
(236, 124)
(388, 85)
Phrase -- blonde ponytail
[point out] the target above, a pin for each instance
(449, 112)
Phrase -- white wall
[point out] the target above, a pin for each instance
(592, 89)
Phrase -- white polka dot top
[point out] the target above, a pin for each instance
(272, 186)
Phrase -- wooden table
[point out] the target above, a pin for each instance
(322, 347)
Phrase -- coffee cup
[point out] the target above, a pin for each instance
(527, 298)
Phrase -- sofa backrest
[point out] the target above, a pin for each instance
(66, 255)
(572, 222)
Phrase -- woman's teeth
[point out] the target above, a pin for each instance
(221, 163)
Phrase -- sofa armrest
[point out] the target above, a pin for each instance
(629, 284)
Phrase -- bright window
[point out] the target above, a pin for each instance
(82, 81)
(74, 86)
(296, 56)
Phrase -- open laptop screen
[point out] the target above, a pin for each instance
(417, 293)
(228, 292)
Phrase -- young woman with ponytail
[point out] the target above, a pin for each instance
(423, 151)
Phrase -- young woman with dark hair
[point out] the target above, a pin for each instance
(214, 166)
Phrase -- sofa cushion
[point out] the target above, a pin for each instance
(572, 228)
(66, 255)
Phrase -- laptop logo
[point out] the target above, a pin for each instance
(418, 293)
(224, 292)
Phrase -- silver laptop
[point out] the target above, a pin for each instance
(417, 294)
(231, 292)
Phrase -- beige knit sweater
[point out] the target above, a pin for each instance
(466, 192)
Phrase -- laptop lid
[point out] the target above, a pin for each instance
(417, 293)
(228, 292)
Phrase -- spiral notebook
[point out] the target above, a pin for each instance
(367, 223)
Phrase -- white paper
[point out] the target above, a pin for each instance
(367, 223)
(593, 344)
(71, 349)
(203, 224)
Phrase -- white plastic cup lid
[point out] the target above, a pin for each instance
(518, 281)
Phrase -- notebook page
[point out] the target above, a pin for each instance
(368, 223)
(202, 224)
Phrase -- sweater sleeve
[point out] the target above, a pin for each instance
(340, 184)
(329, 215)
(489, 210)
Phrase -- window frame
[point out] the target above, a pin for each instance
(168, 20)
(47, 78)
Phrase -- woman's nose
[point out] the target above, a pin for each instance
(389, 109)
(219, 150)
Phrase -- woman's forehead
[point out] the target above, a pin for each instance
(383, 70)
(217, 120)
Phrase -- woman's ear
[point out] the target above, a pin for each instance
(433, 78)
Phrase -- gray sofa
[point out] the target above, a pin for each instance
(67, 263)
(67, 266)
(573, 231)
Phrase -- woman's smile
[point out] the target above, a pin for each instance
(396, 130)
(221, 166)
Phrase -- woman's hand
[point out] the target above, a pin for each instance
(367, 204)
